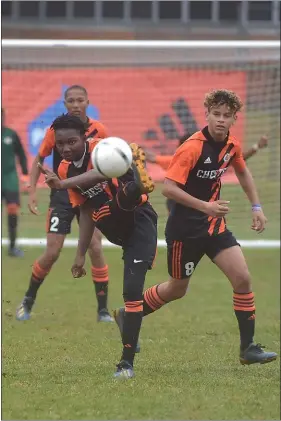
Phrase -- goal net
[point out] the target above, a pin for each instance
(152, 93)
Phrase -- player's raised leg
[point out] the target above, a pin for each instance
(40, 270)
(100, 276)
(232, 263)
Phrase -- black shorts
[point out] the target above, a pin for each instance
(60, 215)
(10, 197)
(139, 252)
(141, 244)
(184, 256)
(169, 204)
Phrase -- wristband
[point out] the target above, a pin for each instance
(255, 147)
(256, 208)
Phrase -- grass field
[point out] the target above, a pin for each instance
(59, 365)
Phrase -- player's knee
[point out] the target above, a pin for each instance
(242, 281)
(52, 254)
(178, 288)
(133, 292)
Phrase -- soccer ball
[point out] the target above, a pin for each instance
(112, 157)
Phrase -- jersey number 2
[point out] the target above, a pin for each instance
(54, 224)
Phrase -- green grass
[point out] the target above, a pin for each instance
(59, 365)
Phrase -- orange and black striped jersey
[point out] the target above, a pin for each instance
(197, 167)
(100, 193)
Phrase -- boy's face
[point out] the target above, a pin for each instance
(76, 103)
(70, 144)
(220, 118)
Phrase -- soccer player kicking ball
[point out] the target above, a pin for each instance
(196, 225)
(120, 209)
(61, 215)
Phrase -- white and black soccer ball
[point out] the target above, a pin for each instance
(112, 157)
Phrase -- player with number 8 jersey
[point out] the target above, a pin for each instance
(196, 225)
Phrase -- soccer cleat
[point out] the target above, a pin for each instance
(255, 354)
(119, 314)
(139, 167)
(24, 309)
(104, 316)
(15, 252)
(124, 371)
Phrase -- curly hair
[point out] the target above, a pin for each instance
(219, 97)
(67, 121)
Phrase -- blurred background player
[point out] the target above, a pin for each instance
(164, 160)
(10, 191)
(61, 214)
(120, 208)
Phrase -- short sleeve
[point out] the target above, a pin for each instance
(102, 131)
(238, 161)
(48, 144)
(184, 161)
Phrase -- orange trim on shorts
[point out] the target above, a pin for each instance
(12, 208)
(133, 306)
(176, 259)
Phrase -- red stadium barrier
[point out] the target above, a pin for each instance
(129, 100)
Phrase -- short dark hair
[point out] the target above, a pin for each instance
(67, 121)
(79, 87)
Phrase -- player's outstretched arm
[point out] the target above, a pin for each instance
(86, 230)
(263, 142)
(171, 190)
(248, 185)
(83, 181)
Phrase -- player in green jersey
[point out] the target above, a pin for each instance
(11, 149)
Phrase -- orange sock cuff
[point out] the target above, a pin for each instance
(38, 272)
(153, 299)
(100, 274)
(133, 306)
(244, 302)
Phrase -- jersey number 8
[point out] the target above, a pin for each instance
(189, 268)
